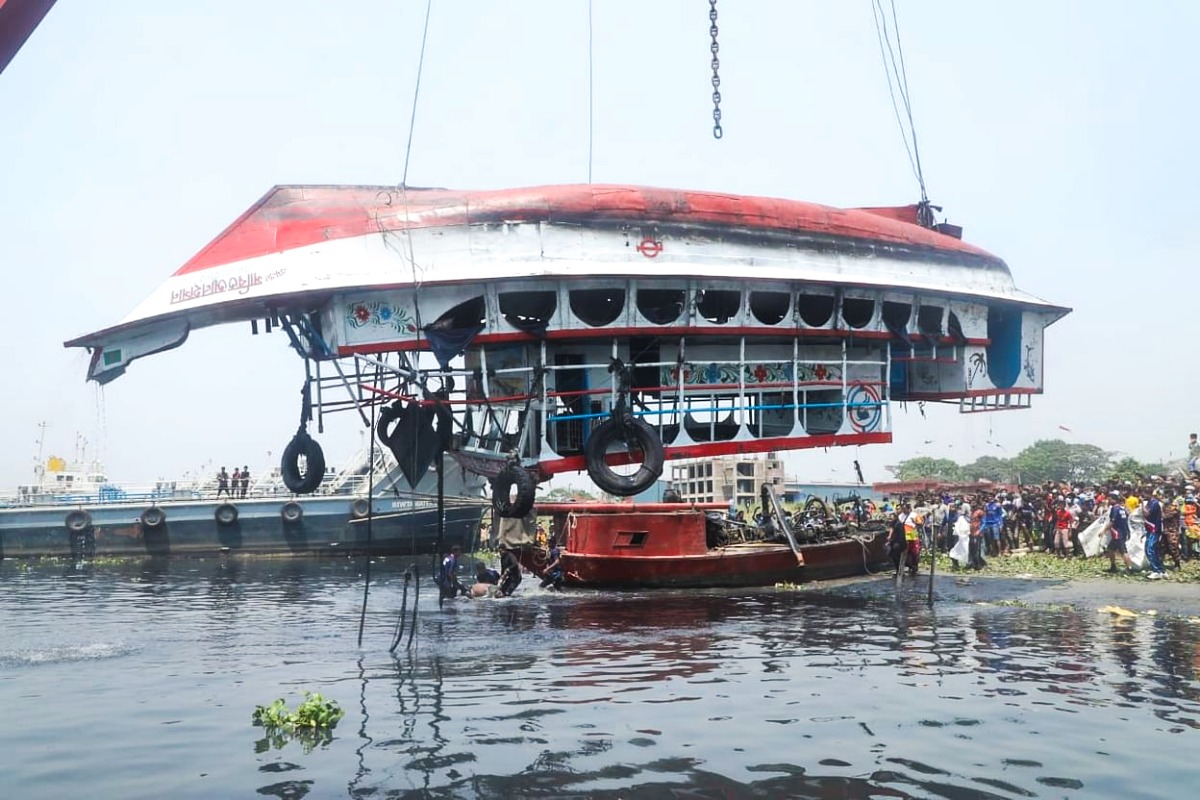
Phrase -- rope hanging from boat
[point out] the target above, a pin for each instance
(410, 575)
(362, 617)
(897, 78)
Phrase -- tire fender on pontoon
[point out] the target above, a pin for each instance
(292, 512)
(226, 514)
(635, 432)
(78, 521)
(153, 517)
(360, 508)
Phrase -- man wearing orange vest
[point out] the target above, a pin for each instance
(913, 521)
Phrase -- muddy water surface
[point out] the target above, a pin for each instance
(139, 680)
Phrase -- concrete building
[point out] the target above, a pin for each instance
(725, 478)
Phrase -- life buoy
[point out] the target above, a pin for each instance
(635, 431)
(226, 514)
(295, 479)
(513, 477)
(153, 517)
(360, 508)
(78, 521)
(292, 511)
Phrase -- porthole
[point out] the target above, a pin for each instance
(896, 315)
(469, 314)
(598, 307)
(857, 312)
(770, 308)
(929, 320)
(718, 306)
(815, 309)
(528, 310)
(661, 306)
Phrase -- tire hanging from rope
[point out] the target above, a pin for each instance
(637, 436)
(303, 477)
(512, 478)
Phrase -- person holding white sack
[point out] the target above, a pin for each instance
(961, 551)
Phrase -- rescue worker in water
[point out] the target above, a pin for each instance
(447, 577)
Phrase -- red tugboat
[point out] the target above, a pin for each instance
(673, 545)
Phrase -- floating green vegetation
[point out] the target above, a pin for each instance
(1048, 565)
(311, 724)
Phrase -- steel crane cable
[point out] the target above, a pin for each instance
(896, 72)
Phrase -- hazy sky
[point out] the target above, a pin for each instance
(1061, 135)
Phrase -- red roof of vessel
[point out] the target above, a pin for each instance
(288, 217)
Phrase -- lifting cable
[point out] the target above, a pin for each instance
(715, 48)
(412, 117)
(897, 78)
(591, 93)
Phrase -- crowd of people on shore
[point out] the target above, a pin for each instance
(1155, 520)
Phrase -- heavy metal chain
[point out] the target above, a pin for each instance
(716, 66)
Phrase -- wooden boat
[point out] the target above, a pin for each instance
(674, 545)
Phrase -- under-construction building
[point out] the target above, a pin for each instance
(725, 478)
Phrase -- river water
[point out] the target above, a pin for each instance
(139, 679)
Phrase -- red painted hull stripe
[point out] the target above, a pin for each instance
(579, 463)
(289, 217)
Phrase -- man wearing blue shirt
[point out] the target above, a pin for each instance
(1118, 516)
(1154, 537)
(993, 518)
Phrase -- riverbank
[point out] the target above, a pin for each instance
(1037, 580)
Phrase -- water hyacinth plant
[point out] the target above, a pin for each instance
(311, 723)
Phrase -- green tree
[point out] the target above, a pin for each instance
(1130, 469)
(1127, 469)
(923, 467)
(990, 468)
(1056, 460)
(567, 494)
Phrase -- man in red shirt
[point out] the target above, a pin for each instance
(1064, 520)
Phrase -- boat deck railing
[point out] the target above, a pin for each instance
(341, 485)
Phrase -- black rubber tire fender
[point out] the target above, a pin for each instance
(78, 521)
(226, 514)
(153, 517)
(602, 475)
(291, 512)
(305, 482)
(360, 508)
(513, 476)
